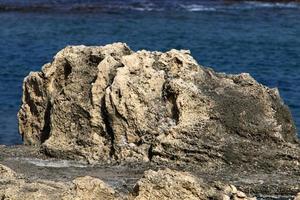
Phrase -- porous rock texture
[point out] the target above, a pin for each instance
(170, 184)
(110, 103)
(16, 187)
(297, 197)
(163, 184)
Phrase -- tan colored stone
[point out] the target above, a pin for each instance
(110, 103)
(6, 172)
(297, 197)
(161, 185)
(233, 189)
(89, 188)
(240, 194)
(14, 187)
(169, 184)
(225, 197)
(20, 189)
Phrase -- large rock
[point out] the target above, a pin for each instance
(170, 184)
(108, 102)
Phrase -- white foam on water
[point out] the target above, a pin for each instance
(143, 6)
(255, 4)
(247, 5)
(141, 9)
(53, 163)
(197, 8)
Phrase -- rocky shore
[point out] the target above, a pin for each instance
(140, 125)
(160, 184)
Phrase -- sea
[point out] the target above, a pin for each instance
(260, 38)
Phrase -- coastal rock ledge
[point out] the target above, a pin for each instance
(162, 184)
(109, 103)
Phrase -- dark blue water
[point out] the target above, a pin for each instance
(260, 38)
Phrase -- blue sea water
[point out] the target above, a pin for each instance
(262, 39)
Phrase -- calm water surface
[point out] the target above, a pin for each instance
(262, 39)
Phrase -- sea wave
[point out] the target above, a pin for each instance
(197, 8)
(79, 6)
(141, 6)
(243, 5)
(256, 4)
(252, 5)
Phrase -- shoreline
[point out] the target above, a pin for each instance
(128, 113)
(32, 165)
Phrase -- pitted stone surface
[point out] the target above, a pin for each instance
(110, 103)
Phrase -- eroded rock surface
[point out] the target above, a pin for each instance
(89, 188)
(170, 184)
(14, 186)
(6, 172)
(110, 103)
(162, 184)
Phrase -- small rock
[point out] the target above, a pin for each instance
(233, 189)
(87, 188)
(227, 190)
(6, 172)
(169, 184)
(241, 194)
(225, 197)
(297, 197)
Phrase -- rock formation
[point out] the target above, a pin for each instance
(6, 172)
(163, 184)
(297, 197)
(170, 184)
(15, 187)
(110, 103)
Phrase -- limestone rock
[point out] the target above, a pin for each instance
(6, 172)
(61, 105)
(83, 188)
(170, 184)
(240, 194)
(162, 184)
(14, 188)
(297, 197)
(20, 190)
(89, 188)
(108, 102)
